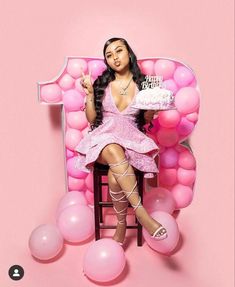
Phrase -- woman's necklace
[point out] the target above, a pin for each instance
(123, 90)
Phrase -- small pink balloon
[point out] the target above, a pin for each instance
(169, 158)
(193, 117)
(72, 138)
(76, 223)
(45, 242)
(185, 127)
(96, 67)
(147, 67)
(73, 168)
(90, 197)
(66, 82)
(104, 260)
(170, 85)
(76, 183)
(187, 160)
(159, 198)
(180, 148)
(186, 176)
(169, 118)
(69, 153)
(89, 181)
(76, 66)
(168, 244)
(165, 68)
(73, 101)
(187, 100)
(167, 137)
(183, 76)
(51, 93)
(77, 120)
(182, 194)
(167, 176)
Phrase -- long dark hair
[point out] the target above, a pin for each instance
(107, 76)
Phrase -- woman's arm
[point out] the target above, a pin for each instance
(90, 108)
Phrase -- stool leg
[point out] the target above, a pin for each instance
(96, 205)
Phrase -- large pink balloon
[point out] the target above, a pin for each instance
(159, 198)
(96, 67)
(186, 176)
(185, 127)
(76, 183)
(183, 76)
(169, 119)
(72, 138)
(45, 242)
(182, 194)
(104, 260)
(76, 223)
(76, 66)
(51, 93)
(169, 158)
(167, 137)
(66, 82)
(73, 100)
(77, 120)
(187, 160)
(73, 169)
(147, 67)
(165, 68)
(187, 100)
(167, 176)
(170, 85)
(168, 244)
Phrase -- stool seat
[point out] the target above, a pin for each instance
(99, 171)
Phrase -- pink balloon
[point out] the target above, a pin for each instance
(73, 169)
(76, 223)
(147, 67)
(169, 158)
(187, 100)
(185, 127)
(51, 93)
(45, 242)
(96, 67)
(89, 181)
(89, 196)
(167, 176)
(76, 66)
(69, 153)
(169, 118)
(183, 76)
(77, 120)
(193, 117)
(76, 183)
(72, 138)
(159, 198)
(167, 137)
(186, 176)
(182, 194)
(170, 85)
(66, 82)
(104, 260)
(73, 101)
(187, 160)
(164, 68)
(168, 244)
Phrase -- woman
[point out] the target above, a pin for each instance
(117, 137)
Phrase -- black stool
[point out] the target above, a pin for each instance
(102, 170)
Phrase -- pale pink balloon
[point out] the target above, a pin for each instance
(73, 168)
(165, 68)
(169, 118)
(183, 76)
(45, 241)
(51, 93)
(185, 127)
(167, 137)
(76, 223)
(69, 153)
(73, 101)
(96, 67)
(77, 120)
(71, 198)
(187, 160)
(72, 138)
(76, 66)
(89, 196)
(193, 117)
(180, 148)
(183, 195)
(167, 176)
(104, 260)
(186, 176)
(159, 198)
(170, 85)
(187, 100)
(66, 82)
(89, 181)
(147, 67)
(76, 183)
(168, 244)
(169, 158)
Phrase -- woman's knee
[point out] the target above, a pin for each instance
(113, 152)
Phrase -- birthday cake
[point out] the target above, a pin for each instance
(154, 99)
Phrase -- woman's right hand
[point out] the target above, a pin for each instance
(87, 84)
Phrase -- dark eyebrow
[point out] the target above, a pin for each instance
(114, 49)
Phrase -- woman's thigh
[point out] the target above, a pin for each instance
(111, 153)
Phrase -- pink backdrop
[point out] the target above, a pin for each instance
(35, 39)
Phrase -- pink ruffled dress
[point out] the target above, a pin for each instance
(120, 128)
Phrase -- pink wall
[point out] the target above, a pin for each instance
(35, 38)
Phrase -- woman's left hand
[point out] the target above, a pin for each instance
(148, 115)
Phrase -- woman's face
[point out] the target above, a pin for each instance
(117, 56)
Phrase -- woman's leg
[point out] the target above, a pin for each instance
(114, 156)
